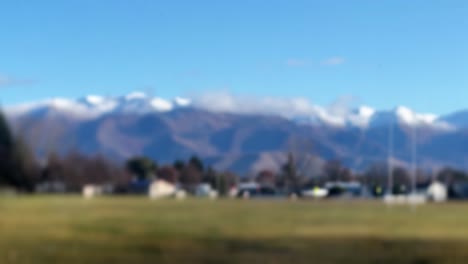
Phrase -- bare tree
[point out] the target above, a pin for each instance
(298, 163)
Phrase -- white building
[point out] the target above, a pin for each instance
(180, 194)
(90, 191)
(205, 190)
(437, 192)
(161, 189)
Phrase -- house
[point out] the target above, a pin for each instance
(437, 192)
(205, 190)
(91, 190)
(253, 189)
(233, 191)
(247, 189)
(161, 189)
(407, 196)
(139, 186)
(458, 190)
(180, 194)
(51, 187)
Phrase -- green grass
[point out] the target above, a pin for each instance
(67, 229)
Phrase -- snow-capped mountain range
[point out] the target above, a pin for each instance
(93, 106)
(236, 133)
(299, 110)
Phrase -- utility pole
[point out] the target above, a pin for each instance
(390, 159)
(414, 159)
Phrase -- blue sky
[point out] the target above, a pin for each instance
(382, 53)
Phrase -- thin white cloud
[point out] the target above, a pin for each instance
(342, 105)
(223, 101)
(296, 62)
(333, 61)
(339, 113)
(8, 81)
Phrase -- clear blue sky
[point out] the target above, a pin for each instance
(385, 53)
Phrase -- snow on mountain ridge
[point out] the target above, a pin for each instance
(366, 111)
(94, 99)
(56, 104)
(179, 101)
(361, 117)
(409, 117)
(93, 106)
(300, 110)
(161, 105)
(135, 95)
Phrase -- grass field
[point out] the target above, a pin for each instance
(61, 229)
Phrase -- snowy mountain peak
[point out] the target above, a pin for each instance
(94, 99)
(366, 111)
(408, 116)
(298, 110)
(60, 103)
(179, 101)
(135, 95)
(161, 105)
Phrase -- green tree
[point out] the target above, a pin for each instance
(18, 167)
(26, 164)
(450, 175)
(6, 137)
(142, 167)
(179, 165)
(210, 176)
(197, 163)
